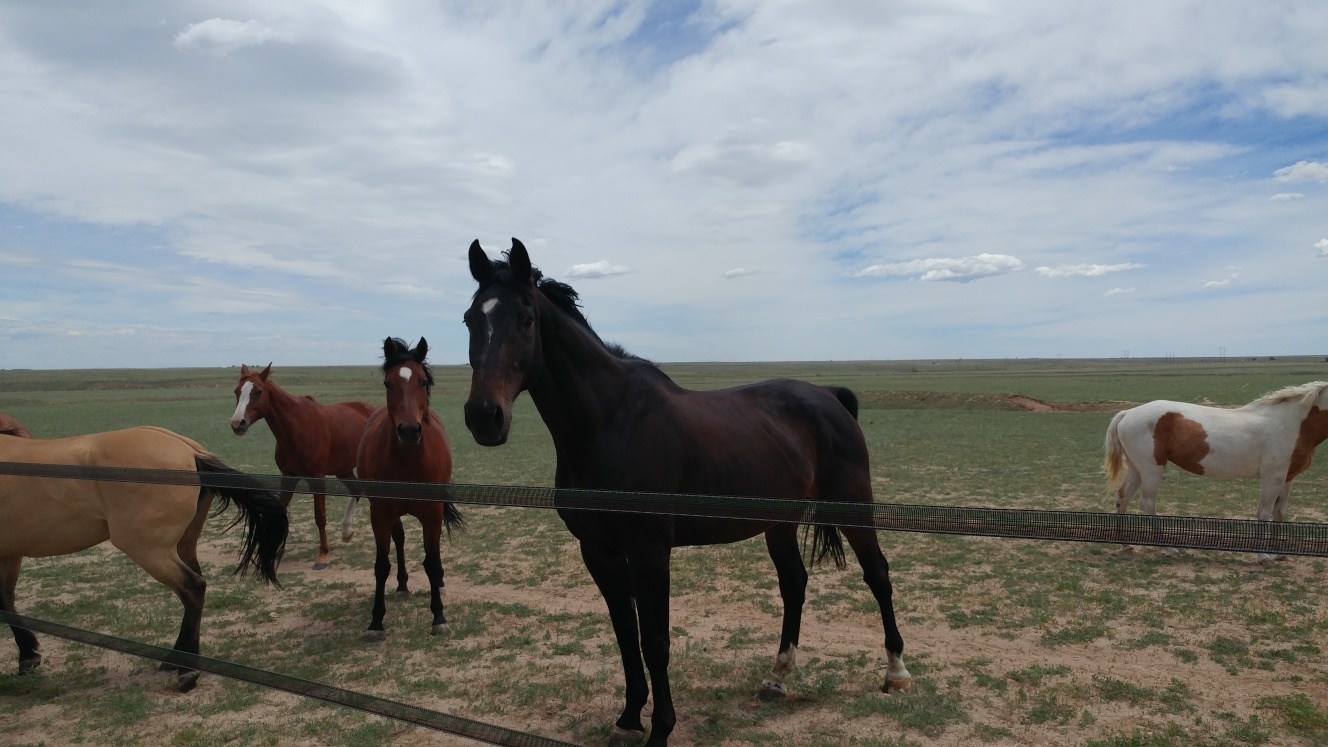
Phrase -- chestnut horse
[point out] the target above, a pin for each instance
(9, 426)
(1272, 438)
(313, 440)
(405, 441)
(619, 423)
(157, 526)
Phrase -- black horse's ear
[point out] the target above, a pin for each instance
(519, 259)
(392, 346)
(481, 267)
(421, 350)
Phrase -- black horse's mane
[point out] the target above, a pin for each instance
(401, 356)
(561, 295)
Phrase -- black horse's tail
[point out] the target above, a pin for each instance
(262, 512)
(452, 518)
(826, 540)
(846, 398)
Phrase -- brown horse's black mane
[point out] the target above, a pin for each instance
(561, 295)
(396, 359)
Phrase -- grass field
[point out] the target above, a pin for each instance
(1010, 642)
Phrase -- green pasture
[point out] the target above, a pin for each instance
(1010, 642)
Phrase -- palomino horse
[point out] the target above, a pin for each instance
(1272, 438)
(157, 526)
(618, 423)
(405, 441)
(313, 440)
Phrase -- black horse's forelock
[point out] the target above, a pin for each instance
(560, 294)
(401, 356)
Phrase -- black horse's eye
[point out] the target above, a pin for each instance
(528, 322)
(387, 385)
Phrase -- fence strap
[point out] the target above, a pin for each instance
(464, 727)
(1193, 532)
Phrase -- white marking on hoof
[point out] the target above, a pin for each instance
(375, 636)
(771, 691)
(620, 737)
(441, 629)
(785, 663)
(897, 678)
(1171, 552)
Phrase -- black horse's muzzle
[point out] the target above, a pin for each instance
(487, 421)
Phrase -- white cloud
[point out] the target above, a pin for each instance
(1322, 246)
(951, 269)
(1223, 283)
(221, 36)
(1085, 270)
(593, 270)
(1281, 196)
(738, 272)
(1117, 292)
(1303, 171)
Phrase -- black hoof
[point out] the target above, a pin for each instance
(441, 629)
(320, 565)
(27, 665)
(375, 636)
(188, 680)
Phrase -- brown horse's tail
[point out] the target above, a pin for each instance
(1114, 461)
(262, 512)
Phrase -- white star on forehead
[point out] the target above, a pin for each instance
(405, 373)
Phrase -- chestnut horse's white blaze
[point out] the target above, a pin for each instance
(241, 407)
(1272, 438)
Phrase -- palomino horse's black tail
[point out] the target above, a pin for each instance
(262, 512)
(826, 541)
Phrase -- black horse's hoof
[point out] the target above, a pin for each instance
(27, 665)
(188, 680)
(403, 592)
(621, 737)
(375, 636)
(770, 691)
(441, 629)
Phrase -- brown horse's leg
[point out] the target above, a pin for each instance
(320, 520)
(649, 568)
(399, 537)
(433, 568)
(876, 572)
(609, 570)
(384, 525)
(28, 656)
(782, 543)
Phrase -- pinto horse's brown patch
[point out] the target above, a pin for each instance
(1181, 441)
(1313, 431)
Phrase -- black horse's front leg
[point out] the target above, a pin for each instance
(382, 569)
(609, 570)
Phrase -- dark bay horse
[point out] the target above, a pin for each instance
(313, 440)
(619, 423)
(405, 441)
(157, 526)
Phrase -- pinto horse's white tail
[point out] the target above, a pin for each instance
(1114, 463)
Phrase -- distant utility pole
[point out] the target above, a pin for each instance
(1222, 354)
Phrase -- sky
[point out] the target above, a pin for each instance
(195, 183)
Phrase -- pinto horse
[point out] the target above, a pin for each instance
(1272, 438)
(313, 440)
(405, 441)
(157, 526)
(619, 423)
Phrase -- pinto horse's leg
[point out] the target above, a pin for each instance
(609, 570)
(384, 526)
(28, 656)
(1273, 494)
(399, 537)
(649, 569)
(433, 568)
(876, 572)
(782, 543)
